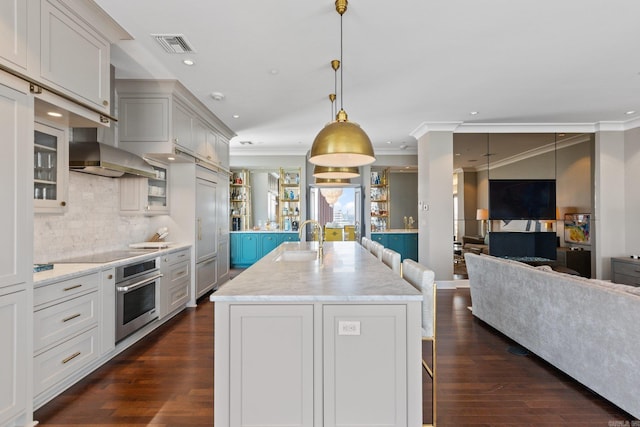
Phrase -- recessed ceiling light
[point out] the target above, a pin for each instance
(171, 159)
(403, 146)
(188, 62)
(54, 114)
(630, 112)
(236, 116)
(474, 113)
(389, 142)
(218, 96)
(274, 71)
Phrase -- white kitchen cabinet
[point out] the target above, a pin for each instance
(159, 119)
(108, 310)
(50, 169)
(13, 34)
(16, 295)
(74, 58)
(13, 363)
(148, 196)
(316, 364)
(365, 365)
(176, 281)
(271, 373)
(67, 317)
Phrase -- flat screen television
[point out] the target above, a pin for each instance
(512, 199)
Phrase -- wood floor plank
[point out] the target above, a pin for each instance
(166, 380)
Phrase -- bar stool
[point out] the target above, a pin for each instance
(376, 249)
(391, 259)
(422, 278)
(365, 242)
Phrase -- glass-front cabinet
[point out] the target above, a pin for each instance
(50, 172)
(158, 191)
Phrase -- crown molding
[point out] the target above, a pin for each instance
(426, 127)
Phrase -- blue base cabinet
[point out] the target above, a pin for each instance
(406, 244)
(247, 248)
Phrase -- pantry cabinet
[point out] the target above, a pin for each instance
(16, 297)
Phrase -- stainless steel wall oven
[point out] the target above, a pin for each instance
(136, 296)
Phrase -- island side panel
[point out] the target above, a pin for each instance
(221, 364)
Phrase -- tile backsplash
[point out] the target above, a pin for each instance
(92, 223)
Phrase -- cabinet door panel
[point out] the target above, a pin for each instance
(365, 373)
(16, 129)
(268, 242)
(248, 249)
(144, 119)
(13, 34)
(73, 58)
(182, 127)
(271, 373)
(13, 318)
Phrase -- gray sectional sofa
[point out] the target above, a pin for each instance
(587, 328)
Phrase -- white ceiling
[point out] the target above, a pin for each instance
(562, 66)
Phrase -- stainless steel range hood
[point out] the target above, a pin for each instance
(105, 160)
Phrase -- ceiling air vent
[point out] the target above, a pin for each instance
(173, 43)
(245, 142)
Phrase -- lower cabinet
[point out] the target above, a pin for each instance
(176, 282)
(66, 332)
(315, 364)
(404, 243)
(13, 363)
(247, 248)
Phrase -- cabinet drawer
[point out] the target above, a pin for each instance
(625, 279)
(61, 321)
(65, 289)
(64, 360)
(627, 269)
(179, 273)
(175, 257)
(178, 296)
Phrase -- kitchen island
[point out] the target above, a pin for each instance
(301, 341)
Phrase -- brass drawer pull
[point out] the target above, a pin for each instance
(71, 317)
(72, 287)
(70, 358)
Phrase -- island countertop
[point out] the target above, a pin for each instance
(348, 272)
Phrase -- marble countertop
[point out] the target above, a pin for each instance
(348, 272)
(64, 271)
(396, 231)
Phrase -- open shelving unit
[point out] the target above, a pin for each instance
(240, 201)
(380, 198)
(289, 199)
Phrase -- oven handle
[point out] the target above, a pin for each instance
(138, 284)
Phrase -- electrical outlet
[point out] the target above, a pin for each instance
(348, 327)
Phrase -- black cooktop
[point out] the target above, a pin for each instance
(104, 257)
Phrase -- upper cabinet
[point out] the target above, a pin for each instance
(50, 171)
(61, 46)
(73, 57)
(162, 119)
(13, 35)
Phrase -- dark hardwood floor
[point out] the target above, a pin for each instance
(167, 380)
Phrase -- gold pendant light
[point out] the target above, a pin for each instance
(335, 172)
(341, 143)
(332, 182)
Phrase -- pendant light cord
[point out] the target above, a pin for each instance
(341, 67)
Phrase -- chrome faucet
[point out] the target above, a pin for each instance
(320, 237)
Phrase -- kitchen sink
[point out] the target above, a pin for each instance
(297, 255)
